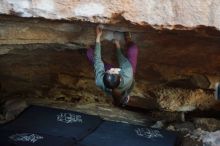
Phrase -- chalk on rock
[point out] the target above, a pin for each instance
(101, 26)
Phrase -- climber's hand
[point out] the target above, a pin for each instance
(99, 29)
(117, 43)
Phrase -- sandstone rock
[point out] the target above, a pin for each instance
(193, 81)
(186, 141)
(177, 99)
(53, 70)
(159, 13)
(205, 137)
(11, 108)
(207, 124)
(58, 61)
(200, 81)
(184, 127)
(213, 80)
(67, 80)
(158, 125)
(167, 117)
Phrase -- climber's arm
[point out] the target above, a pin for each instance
(98, 63)
(125, 65)
(98, 66)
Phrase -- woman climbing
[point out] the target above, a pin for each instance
(117, 82)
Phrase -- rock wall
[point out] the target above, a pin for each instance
(157, 13)
(175, 71)
(178, 62)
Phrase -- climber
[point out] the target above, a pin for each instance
(117, 82)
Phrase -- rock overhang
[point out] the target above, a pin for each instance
(170, 51)
(169, 14)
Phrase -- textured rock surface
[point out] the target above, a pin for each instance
(158, 13)
(175, 71)
(10, 108)
(54, 71)
(208, 124)
(204, 137)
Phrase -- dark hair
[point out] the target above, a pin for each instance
(111, 81)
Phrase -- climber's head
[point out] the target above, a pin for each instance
(112, 78)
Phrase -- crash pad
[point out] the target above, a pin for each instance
(55, 122)
(122, 134)
(25, 138)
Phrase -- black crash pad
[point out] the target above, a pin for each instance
(55, 122)
(120, 134)
(21, 138)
